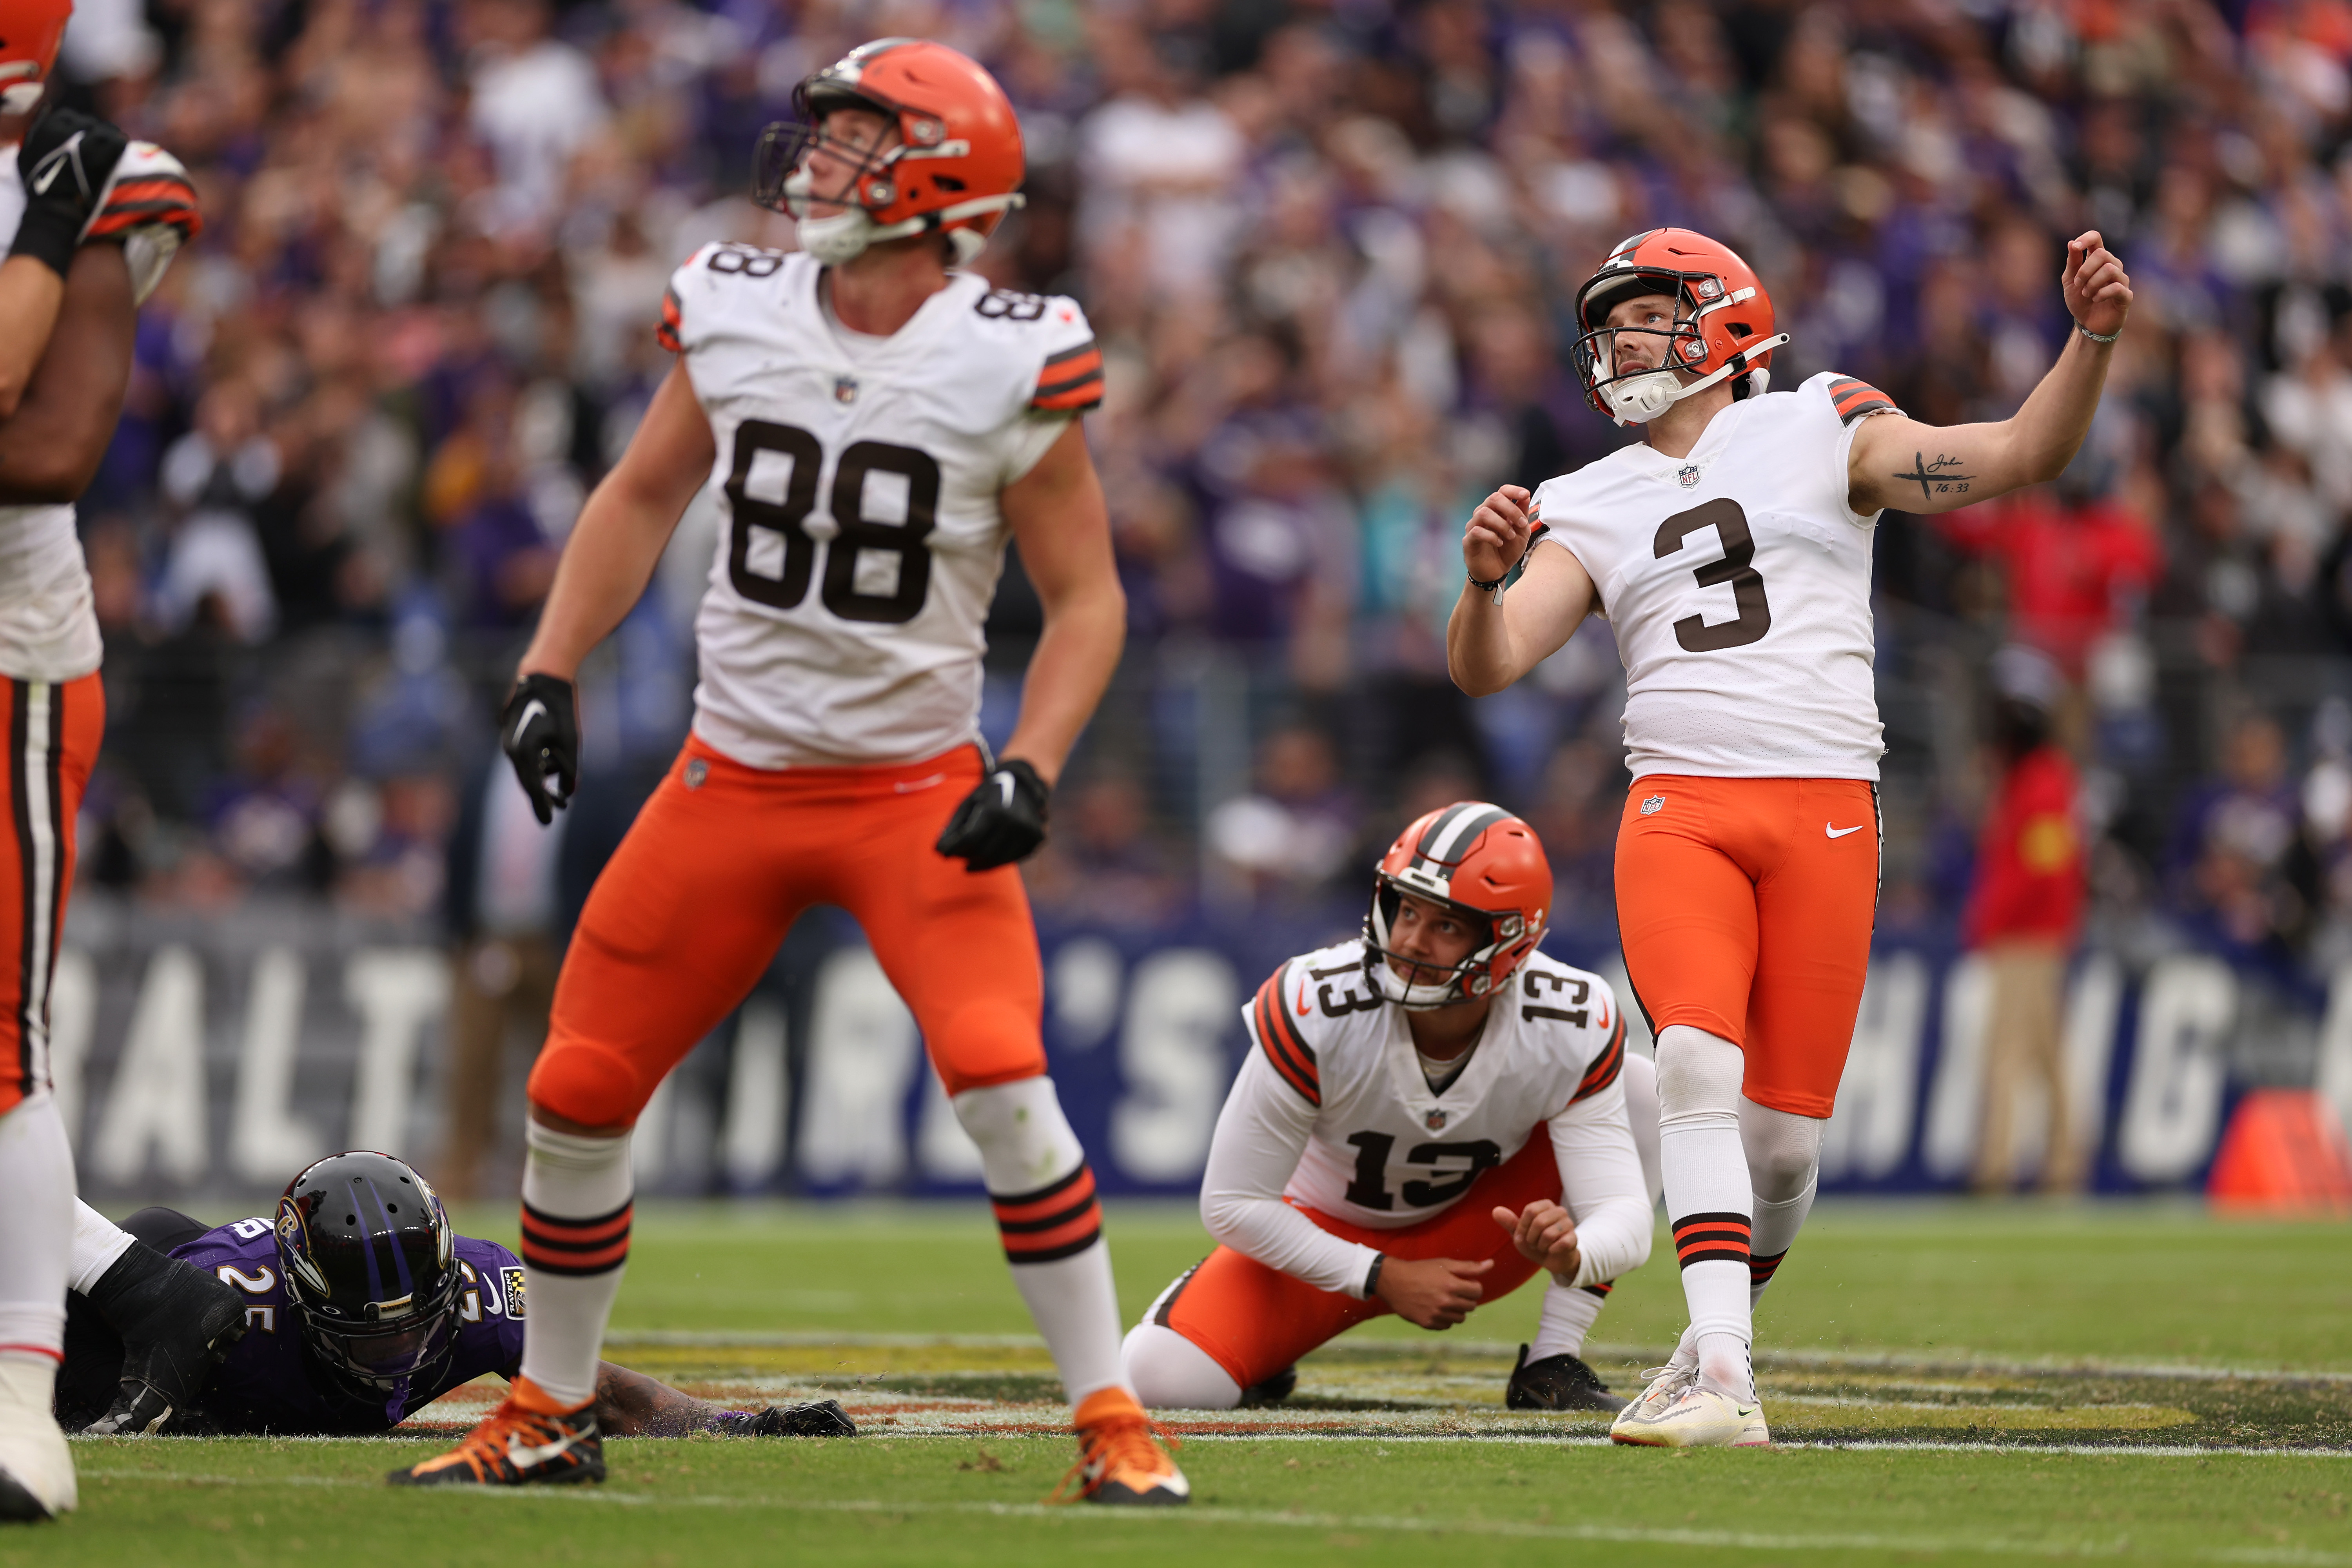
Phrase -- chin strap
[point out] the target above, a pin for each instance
(1638, 399)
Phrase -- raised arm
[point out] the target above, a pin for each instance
(1489, 646)
(1899, 462)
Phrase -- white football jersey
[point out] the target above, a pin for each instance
(49, 623)
(1738, 583)
(858, 479)
(1385, 1148)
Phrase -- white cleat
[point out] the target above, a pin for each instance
(1695, 1417)
(1662, 1386)
(36, 1470)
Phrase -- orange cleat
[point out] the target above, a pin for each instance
(1121, 1461)
(528, 1439)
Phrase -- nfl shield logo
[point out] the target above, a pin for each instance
(1654, 804)
(1436, 1121)
(845, 389)
(1689, 474)
(696, 770)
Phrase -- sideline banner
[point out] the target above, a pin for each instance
(216, 1055)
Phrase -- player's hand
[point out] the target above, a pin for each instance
(1002, 821)
(1545, 1235)
(539, 732)
(65, 162)
(1431, 1292)
(1498, 534)
(2097, 289)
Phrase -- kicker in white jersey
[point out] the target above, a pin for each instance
(1386, 1150)
(859, 479)
(1737, 583)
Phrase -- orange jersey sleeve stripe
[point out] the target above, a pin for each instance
(1605, 1069)
(1071, 380)
(182, 215)
(1853, 399)
(1285, 1047)
(673, 317)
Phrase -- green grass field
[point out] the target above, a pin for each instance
(1949, 1383)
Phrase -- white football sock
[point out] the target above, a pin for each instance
(1784, 1162)
(1568, 1314)
(1169, 1372)
(1051, 1222)
(36, 1230)
(98, 1241)
(1708, 1196)
(577, 1197)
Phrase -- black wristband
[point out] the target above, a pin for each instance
(47, 234)
(1372, 1276)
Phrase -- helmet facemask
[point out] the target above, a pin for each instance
(1422, 986)
(1638, 396)
(876, 176)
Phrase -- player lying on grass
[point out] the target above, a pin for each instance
(1420, 1103)
(356, 1309)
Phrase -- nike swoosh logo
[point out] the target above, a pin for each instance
(1841, 832)
(919, 784)
(1005, 783)
(1750, 1410)
(1302, 998)
(535, 708)
(49, 178)
(523, 1455)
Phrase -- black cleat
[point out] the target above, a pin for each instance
(176, 1320)
(820, 1418)
(1558, 1383)
(1272, 1389)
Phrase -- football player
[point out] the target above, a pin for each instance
(1731, 554)
(354, 1308)
(1432, 1114)
(876, 423)
(90, 221)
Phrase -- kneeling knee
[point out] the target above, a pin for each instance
(1169, 1372)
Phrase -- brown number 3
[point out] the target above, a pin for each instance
(1730, 524)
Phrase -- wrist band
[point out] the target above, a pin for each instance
(47, 235)
(1372, 1276)
(2096, 337)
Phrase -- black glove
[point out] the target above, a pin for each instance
(1002, 821)
(539, 732)
(823, 1418)
(65, 160)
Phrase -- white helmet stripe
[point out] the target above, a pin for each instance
(1460, 825)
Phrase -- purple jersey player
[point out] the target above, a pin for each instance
(354, 1308)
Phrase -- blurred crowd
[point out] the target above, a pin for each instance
(1328, 248)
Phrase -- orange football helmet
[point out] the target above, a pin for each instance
(952, 168)
(1480, 861)
(1723, 325)
(30, 31)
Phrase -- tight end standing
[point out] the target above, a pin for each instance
(1731, 554)
(90, 221)
(877, 423)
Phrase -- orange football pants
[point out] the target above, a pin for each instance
(723, 860)
(54, 730)
(1745, 906)
(1253, 1320)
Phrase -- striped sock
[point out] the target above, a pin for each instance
(577, 1194)
(1051, 1222)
